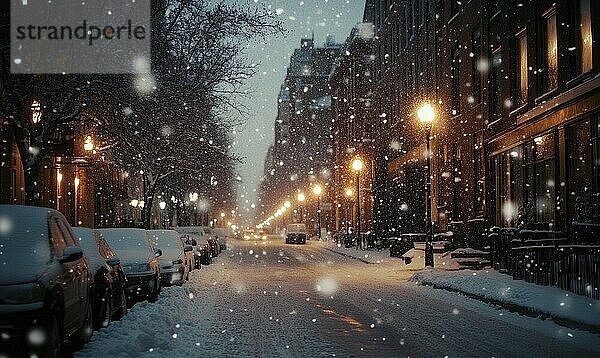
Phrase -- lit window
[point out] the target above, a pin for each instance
(551, 50)
(522, 72)
(586, 36)
(36, 112)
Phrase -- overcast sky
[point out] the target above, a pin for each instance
(300, 18)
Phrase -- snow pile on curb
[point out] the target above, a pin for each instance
(496, 287)
(417, 257)
(151, 328)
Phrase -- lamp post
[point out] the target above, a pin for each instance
(357, 166)
(317, 190)
(162, 205)
(349, 194)
(301, 197)
(426, 115)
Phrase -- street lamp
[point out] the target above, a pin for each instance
(162, 205)
(426, 115)
(349, 195)
(88, 144)
(317, 190)
(357, 166)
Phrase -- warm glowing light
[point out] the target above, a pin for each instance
(76, 183)
(59, 177)
(134, 203)
(426, 113)
(88, 145)
(36, 112)
(357, 165)
(349, 192)
(317, 190)
(301, 197)
(222, 215)
(287, 204)
(162, 205)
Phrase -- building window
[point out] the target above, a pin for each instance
(475, 61)
(541, 183)
(583, 170)
(422, 11)
(496, 84)
(411, 17)
(522, 69)
(454, 73)
(551, 51)
(454, 7)
(510, 209)
(586, 36)
(479, 170)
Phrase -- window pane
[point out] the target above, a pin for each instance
(552, 52)
(523, 69)
(586, 36)
(544, 147)
(545, 192)
(579, 163)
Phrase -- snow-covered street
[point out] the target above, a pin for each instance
(268, 299)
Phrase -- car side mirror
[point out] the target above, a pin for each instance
(188, 248)
(158, 253)
(71, 253)
(113, 261)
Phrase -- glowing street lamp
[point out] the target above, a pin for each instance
(317, 190)
(349, 195)
(426, 115)
(88, 144)
(357, 166)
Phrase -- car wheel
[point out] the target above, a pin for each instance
(123, 305)
(105, 313)
(83, 335)
(52, 346)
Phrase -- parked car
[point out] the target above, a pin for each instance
(215, 247)
(140, 259)
(174, 269)
(195, 236)
(110, 282)
(223, 234)
(45, 283)
(296, 233)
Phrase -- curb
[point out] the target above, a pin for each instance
(350, 256)
(516, 308)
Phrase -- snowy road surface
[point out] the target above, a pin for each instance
(268, 299)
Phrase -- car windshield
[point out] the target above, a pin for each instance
(24, 241)
(168, 241)
(130, 245)
(89, 245)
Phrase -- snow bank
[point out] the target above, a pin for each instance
(417, 257)
(494, 286)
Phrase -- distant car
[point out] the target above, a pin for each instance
(195, 235)
(45, 283)
(110, 281)
(140, 259)
(173, 263)
(296, 233)
(223, 234)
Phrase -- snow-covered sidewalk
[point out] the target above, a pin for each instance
(563, 307)
(442, 261)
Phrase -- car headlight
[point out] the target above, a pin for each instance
(20, 294)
